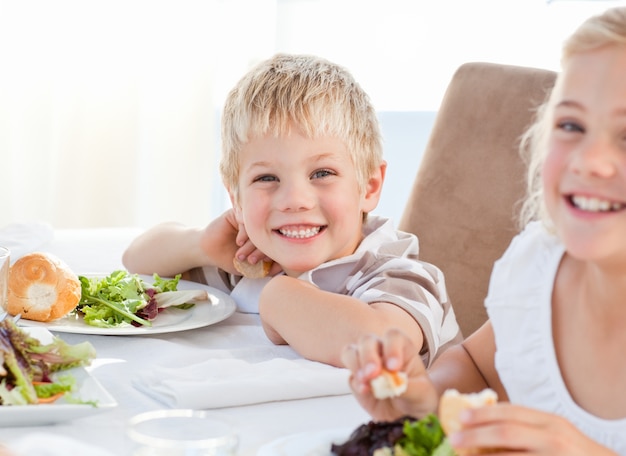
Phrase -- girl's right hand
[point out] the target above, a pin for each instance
(395, 352)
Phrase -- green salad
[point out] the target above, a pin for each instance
(124, 299)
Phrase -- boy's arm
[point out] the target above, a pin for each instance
(318, 324)
(172, 248)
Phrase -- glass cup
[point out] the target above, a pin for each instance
(182, 433)
(5, 264)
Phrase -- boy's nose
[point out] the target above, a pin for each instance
(294, 196)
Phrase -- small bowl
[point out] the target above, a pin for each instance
(182, 432)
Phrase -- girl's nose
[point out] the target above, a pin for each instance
(594, 157)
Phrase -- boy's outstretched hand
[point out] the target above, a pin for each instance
(394, 352)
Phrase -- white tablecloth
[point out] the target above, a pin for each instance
(122, 358)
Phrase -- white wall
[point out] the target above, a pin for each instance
(405, 134)
(107, 108)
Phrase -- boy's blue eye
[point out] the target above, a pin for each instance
(570, 126)
(321, 173)
(265, 178)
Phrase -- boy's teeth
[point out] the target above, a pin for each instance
(302, 233)
(595, 204)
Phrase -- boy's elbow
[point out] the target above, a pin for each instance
(273, 335)
(129, 262)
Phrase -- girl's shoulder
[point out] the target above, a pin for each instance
(530, 260)
(535, 235)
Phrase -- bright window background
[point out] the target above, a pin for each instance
(109, 110)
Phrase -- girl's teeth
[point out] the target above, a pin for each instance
(301, 234)
(595, 204)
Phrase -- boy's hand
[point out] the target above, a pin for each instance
(394, 352)
(247, 250)
(219, 241)
(224, 238)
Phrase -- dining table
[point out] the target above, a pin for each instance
(316, 401)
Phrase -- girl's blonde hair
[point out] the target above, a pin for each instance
(306, 92)
(606, 29)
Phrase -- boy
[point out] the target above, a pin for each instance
(302, 163)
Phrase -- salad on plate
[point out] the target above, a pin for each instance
(27, 367)
(402, 437)
(125, 299)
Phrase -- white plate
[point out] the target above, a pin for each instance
(204, 313)
(306, 443)
(87, 389)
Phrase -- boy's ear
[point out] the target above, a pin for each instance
(236, 207)
(374, 187)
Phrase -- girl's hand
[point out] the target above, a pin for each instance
(517, 430)
(395, 352)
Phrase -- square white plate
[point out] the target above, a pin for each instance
(87, 389)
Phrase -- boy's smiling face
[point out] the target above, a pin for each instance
(300, 200)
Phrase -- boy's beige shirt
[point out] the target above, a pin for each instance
(384, 268)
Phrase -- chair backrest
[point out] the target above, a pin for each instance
(463, 204)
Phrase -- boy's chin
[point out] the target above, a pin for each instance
(296, 270)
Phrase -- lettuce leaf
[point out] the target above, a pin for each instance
(63, 384)
(421, 437)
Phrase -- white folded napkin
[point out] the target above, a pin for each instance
(23, 238)
(231, 382)
(49, 444)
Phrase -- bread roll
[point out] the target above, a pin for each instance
(42, 288)
(253, 271)
(452, 403)
(389, 384)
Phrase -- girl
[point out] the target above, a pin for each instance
(554, 344)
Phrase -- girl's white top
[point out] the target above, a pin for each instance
(520, 308)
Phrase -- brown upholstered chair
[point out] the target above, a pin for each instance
(463, 202)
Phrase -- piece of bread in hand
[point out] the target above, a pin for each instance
(389, 384)
(253, 271)
(42, 287)
(452, 403)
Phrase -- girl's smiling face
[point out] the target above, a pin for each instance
(584, 175)
(300, 200)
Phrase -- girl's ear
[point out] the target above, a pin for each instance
(374, 187)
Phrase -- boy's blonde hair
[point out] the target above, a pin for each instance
(306, 92)
(606, 29)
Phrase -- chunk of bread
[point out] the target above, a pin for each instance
(42, 288)
(452, 403)
(253, 271)
(389, 384)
